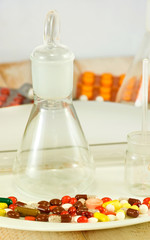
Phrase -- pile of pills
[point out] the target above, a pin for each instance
(82, 208)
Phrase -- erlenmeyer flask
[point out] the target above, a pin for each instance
(130, 90)
(54, 156)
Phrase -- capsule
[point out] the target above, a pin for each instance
(8, 201)
(27, 211)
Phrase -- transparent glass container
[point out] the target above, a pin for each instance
(54, 156)
(137, 165)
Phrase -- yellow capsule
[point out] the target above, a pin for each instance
(2, 212)
(3, 205)
(101, 217)
(135, 207)
(126, 205)
(115, 203)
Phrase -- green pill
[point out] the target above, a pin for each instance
(6, 200)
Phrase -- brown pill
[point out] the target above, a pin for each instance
(58, 210)
(27, 211)
(80, 210)
(132, 213)
(20, 204)
(87, 214)
(43, 209)
(44, 203)
(78, 204)
(132, 201)
(55, 202)
(65, 218)
(78, 196)
(13, 214)
(42, 217)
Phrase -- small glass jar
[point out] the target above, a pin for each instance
(137, 165)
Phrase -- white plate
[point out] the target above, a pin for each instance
(108, 182)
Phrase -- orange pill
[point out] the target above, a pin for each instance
(88, 78)
(88, 94)
(131, 83)
(105, 90)
(30, 218)
(106, 79)
(87, 88)
(106, 97)
(127, 96)
(93, 203)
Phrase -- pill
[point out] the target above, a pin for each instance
(73, 201)
(106, 199)
(110, 207)
(78, 204)
(132, 213)
(13, 214)
(143, 209)
(92, 220)
(78, 196)
(111, 217)
(126, 205)
(20, 204)
(82, 219)
(57, 210)
(54, 218)
(55, 202)
(135, 207)
(30, 218)
(120, 215)
(3, 205)
(123, 201)
(32, 205)
(66, 206)
(81, 209)
(64, 212)
(2, 212)
(8, 201)
(133, 200)
(42, 218)
(27, 211)
(75, 218)
(93, 203)
(43, 209)
(66, 218)
(14, 199)
(72, 210)
(82, 200)
(87, 214)
(65, 199)
(101, 217)
(44, 203)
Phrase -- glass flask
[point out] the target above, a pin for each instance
(130, 90)
(54, 156)
(137, 165)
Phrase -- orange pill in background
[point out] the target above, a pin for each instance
(92, 203)
(106, 79)
(106, 97)
(88, 94)
(131, 83)
(127, 96)
(87, 88)
(105, 90)
(88, 78)
(30, 218)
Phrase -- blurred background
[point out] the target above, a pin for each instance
(103, 34)
(92, 28)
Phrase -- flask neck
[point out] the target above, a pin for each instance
(52, 104)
